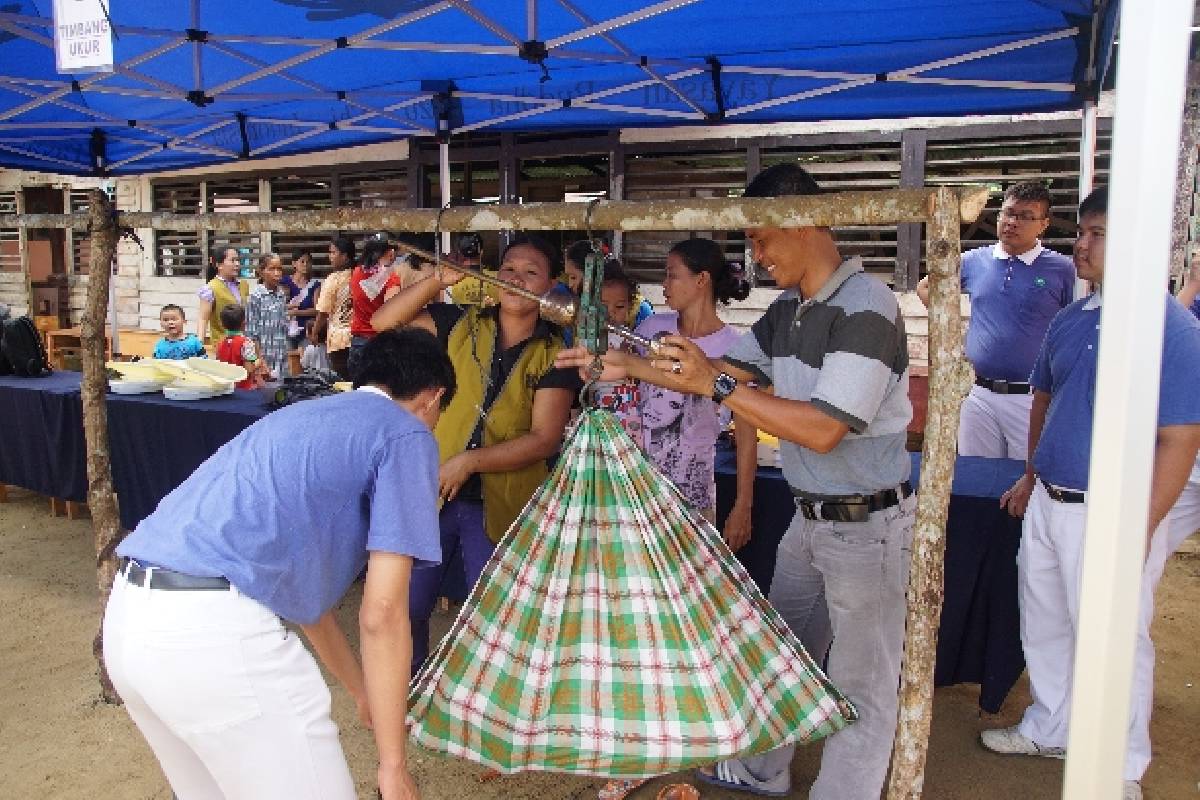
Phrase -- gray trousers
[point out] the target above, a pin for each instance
(841, 588)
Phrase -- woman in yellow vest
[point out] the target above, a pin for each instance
(223, 290)
(505, 420)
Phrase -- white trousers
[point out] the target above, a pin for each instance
(1050, 565)
(231, 702)
(994, 425)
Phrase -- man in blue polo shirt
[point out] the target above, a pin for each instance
(232, 703)
(1052, 495)
(1016, 287)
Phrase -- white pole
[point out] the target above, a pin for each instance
(1150, 90)
(1087, 167)
(444, 184)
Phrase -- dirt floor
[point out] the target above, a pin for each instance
(58, 741)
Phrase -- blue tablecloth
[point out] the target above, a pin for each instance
(41, 435)
(979, 640)
(154, 443)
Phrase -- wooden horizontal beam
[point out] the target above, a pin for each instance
(833, 209)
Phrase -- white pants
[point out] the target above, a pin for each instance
(994, 425)
(231, 702)
(1050, 565)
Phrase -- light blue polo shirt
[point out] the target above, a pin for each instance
(1013, 299)
(289, 508)
(1066, 368)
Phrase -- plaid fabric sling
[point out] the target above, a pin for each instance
(614, 634)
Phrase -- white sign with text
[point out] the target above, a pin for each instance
(82, 36)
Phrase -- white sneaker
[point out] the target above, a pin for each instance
(1133, 791)
(1011, 742)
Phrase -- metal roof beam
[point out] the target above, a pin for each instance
(486, 21)
(618, 22)
(42, 157)
(309, 55)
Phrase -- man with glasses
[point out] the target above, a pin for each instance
(1016, 287)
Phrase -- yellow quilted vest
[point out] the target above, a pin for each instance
(221, 298)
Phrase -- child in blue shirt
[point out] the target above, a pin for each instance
(176, 344)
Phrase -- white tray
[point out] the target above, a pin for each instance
(134, 387)
(192, 393)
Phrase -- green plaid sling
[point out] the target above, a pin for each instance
(613, 633)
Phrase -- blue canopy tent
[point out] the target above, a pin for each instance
(212, 81)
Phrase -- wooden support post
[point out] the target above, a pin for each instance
(950, 377)
(106, 523)
(1185, 182)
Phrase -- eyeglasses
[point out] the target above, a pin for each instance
(1024, 216)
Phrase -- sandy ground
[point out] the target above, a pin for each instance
(58, 741)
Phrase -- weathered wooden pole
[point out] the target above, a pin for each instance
(1185, 181)
(106, 523)
(950, 378)
(834, 209)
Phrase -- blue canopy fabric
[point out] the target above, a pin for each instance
(213, 81)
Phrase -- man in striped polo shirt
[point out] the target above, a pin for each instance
(1016, 287)
(832, 348)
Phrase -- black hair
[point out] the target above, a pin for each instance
(373, 250)
(1029, 192)
(301, 252)
(233, 317)
(1095, 203)
(217, 253)
(614, 273)
(550, 252)
(579, 251)
(345, 246)
(172, 307)
(406, 361)
(705, 255)
(783, 180)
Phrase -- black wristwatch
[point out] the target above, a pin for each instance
(723, 386)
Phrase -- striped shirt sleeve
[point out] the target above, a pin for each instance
(857, 371)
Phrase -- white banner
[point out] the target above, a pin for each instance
(82, 36)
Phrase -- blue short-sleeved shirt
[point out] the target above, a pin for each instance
(1013, 299)
(1066, 368)
(289, 508)
(1195, 307)
(187, 347)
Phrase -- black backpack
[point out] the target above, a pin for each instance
(308, 384)
(21, 350)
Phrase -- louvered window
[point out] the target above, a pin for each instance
(178, 253)
(234, 196)
(309, 192)
(1001, 161)
(81, 243)
(661, 176)
(10, 238)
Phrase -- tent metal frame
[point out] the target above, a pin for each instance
(666, 73)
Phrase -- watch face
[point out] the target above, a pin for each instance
(723, 386)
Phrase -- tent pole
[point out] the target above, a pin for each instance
(102, 502)
(1087, 167)
(1150, 91)
(950, 378)
(444, 185)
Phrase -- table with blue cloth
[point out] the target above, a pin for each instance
(979, 639)
(154, 443)
(42, 446)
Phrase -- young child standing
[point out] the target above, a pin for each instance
(617, 292)
(238, 348)
(267, 317)
(176, 344)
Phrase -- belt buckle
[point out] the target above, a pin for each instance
(1000, 387)
(852, 512)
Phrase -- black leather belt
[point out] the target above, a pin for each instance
(1064, 495)
(1003, 387)
(169, 580)
(851, 508)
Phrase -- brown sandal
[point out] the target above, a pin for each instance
(678, 791)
